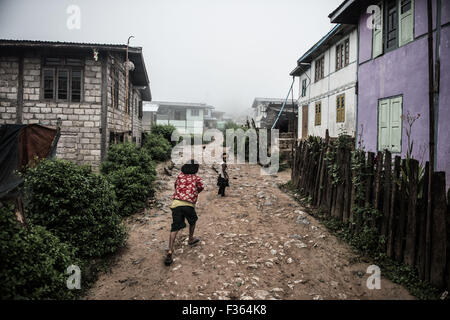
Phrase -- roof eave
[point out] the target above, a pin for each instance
(348, 12)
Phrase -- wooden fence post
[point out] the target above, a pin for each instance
(377, 189)
(369, 177)
(339, 203)
(422, 221)
(386, 194)
(438, 230)
(322, 171)
(348, 184)
(400, 230)
(393, 215)
(411, 225)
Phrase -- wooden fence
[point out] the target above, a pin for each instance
(389, 185)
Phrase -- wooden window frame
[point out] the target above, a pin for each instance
(386, 25)
(56, 63)
(342, 54)
(304, 87)
(318, 115)
(340, 108)
(68, 95)
(319, 71)
(390, 98)
(397, 18)
(53, 70)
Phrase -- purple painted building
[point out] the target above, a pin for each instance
(393, 75)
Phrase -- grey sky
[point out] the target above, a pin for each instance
(222, 52)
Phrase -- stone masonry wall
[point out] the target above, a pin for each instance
(80, 128)
(9, 73)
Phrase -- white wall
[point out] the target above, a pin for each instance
(334, 83)
(192, 124)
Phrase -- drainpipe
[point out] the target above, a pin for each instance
(431, 147)
(437, 76)
(356, 86)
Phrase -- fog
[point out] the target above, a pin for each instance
(221, 52)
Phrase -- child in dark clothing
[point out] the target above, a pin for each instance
(222, 180)
(187, 187)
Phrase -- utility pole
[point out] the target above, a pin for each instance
(431, 149)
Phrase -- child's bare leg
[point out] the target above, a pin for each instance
(172, 237)
(191, 232)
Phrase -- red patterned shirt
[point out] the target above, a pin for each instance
(187, 187)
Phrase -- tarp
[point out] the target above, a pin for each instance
(19, 146)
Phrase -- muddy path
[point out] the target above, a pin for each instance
(256, 243)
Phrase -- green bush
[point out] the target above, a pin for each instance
(76, 205)
(33, 261)
(165, 131)
(133, 188)
(158, 147)
(132, 172)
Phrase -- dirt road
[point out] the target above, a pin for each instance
(256, 243)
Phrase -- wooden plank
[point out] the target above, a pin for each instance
(339, 203)
(400, 230)
(377, 188)
(438, 230)
(386, 212)
(323, 170)
(369, 177)
(422, 225)
(329, 191)
(409, 257)
(394, 208)
(352, 198)
(348, 185)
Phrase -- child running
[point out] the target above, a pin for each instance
(187, 187)
(222, 180)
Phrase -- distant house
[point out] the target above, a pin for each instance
(393, 76)
(83, 85)
(189, 118)
(266, 111)
(149, 111)
(327, 95)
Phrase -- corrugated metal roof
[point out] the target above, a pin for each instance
(7, 42)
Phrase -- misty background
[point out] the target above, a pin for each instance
(221, 52)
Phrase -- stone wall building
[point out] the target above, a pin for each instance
(83, 85)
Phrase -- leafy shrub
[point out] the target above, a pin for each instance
(78, 206)
(127, 155)
(132, 172)
(133, 188)
(33, 261)
(165, 131)
(159, 148)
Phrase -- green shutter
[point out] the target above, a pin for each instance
(406, 23)
(395, 124)
(383, 125)
(377, 40)
(390, 125)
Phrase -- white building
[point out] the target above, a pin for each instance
(186, 117)
(328, 78)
